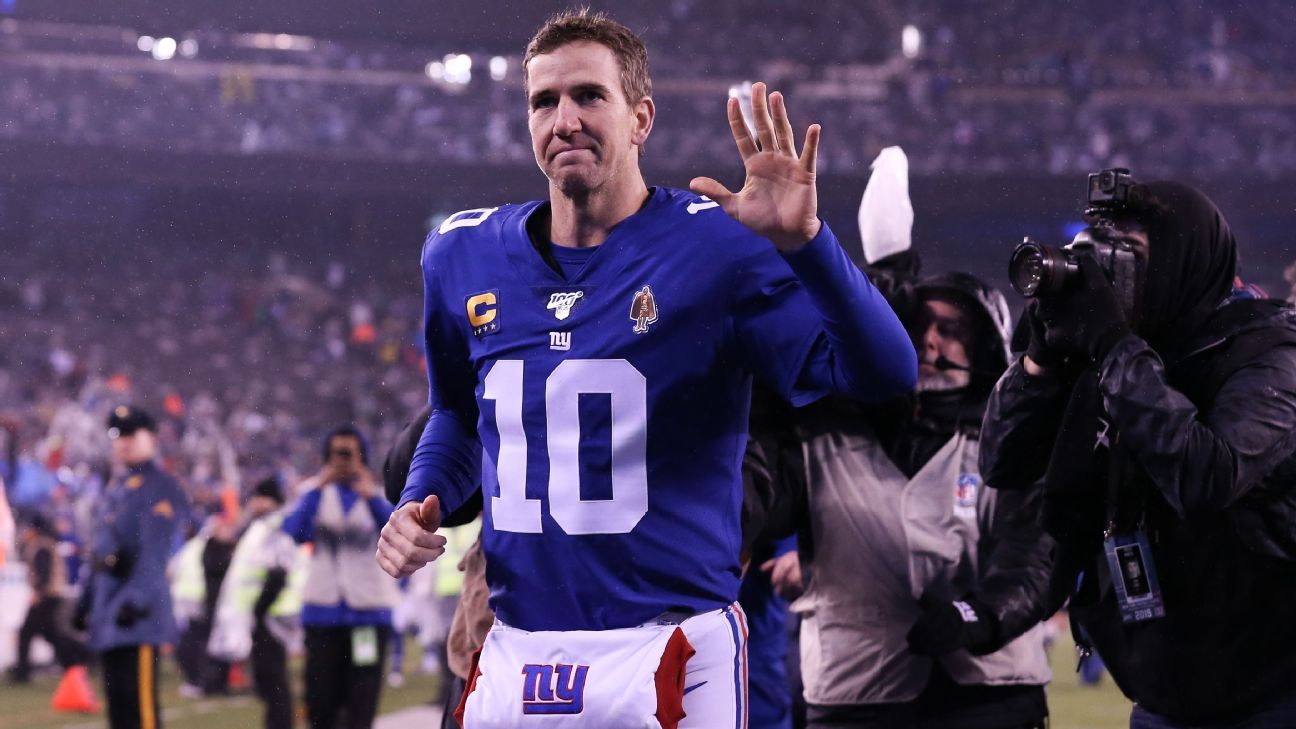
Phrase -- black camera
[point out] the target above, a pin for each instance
(1038, 270)
(1112, 190)
(1041, 271)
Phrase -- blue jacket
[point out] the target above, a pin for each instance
(129, 596)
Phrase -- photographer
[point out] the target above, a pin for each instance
(922, 583)
(1159, 417)
(347, 600)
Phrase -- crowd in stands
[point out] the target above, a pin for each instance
(993, 88)
(248, 356)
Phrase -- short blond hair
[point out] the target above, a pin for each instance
(582, 24)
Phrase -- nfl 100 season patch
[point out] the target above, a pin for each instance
(561, 303)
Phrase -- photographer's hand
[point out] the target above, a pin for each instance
(1038, 357)
(1089, 321)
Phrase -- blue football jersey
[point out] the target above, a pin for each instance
(611, 405)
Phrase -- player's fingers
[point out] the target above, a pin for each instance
(810, 152)
(388, 565)
(741, 134)
(761, 118)
(416, 545)
(769, 564)
(411, 567)
(712, 189)
(429, 513)
(782, 127)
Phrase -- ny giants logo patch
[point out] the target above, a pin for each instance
(553, 689)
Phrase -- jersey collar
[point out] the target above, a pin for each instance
(603, 263)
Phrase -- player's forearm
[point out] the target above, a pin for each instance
(446, 462)
(872, 357)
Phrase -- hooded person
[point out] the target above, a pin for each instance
(924, 589)
(1161, 438)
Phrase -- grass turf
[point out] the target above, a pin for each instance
(27, 707)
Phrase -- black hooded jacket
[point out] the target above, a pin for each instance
(1016, 558)
(1186, 431)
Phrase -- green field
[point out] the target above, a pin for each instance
(28, 706)
(1073, 706)
(1082, 707)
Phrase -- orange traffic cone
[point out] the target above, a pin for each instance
(74, 693)
(238, 678)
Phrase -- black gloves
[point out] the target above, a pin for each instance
(1087, 322)
(128, 614)
(1031, 328)
(946, 626)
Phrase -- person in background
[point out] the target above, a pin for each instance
(127, 601)
(347, 600)
(47, 618)
(258, 611)
(924, 588)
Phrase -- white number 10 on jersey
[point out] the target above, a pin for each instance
(512, 511)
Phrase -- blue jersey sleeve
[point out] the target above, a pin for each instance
(300, 524)
(821, 327)
(447, 460)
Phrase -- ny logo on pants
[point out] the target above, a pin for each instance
(556, 689)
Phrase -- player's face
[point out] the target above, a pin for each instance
(583, 132)
(943, 330)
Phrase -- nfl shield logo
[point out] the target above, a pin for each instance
(965, 493)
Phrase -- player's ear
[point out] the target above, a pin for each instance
(645, 112)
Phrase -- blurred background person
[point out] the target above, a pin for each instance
(347, 598)
(258, 612)
(128, 598)
(48, 618)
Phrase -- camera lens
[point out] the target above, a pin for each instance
(1028, 268)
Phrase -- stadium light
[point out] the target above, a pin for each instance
(458, 68)
(910, 41)
(435, 71)
(498, 68)
(145, 43)
(188, 47)
(164, 49)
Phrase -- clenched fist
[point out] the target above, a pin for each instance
(409, 540)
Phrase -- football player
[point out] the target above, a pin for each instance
(590, 360)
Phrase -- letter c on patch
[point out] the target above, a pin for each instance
(481, 309)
